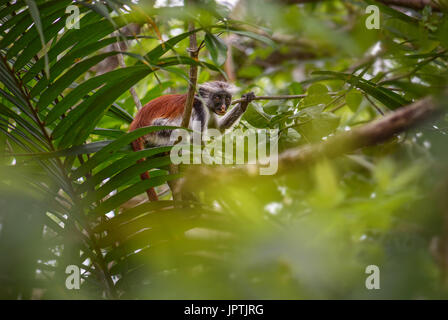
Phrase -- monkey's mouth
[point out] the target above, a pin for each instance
(220, 113)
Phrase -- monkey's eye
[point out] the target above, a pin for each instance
(216, 99)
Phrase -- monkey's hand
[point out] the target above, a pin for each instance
(247, 98)
(231, 117)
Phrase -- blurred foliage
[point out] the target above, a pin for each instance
(69, 182)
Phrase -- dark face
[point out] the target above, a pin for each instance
(219, 102)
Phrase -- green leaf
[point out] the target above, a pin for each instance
(38, 24)
(56, 88)
(317, 94)
(121, 197)
(164, 47)
(216, 47)
(256, 116)
(119, 113)
(7, 11)
(132, 213)
(314, 128)
(112, 148)
(353, 99)
(389, 98)
(179, 60)
(295, 88)
(73, 151)
(31, 39)
(29, 126)
(18, 25)
(124, 176)
(155, 92)
(93, 108)
(317, 89)
(90, 32)
(119, 165)
(83, 89)
(66, 61)
(255, 36)
(110, 133)
(69, 39)
(101, 9)
(393, 13)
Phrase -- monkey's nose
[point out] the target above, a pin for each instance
(223, 108)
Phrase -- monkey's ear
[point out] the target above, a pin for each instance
(203, 93)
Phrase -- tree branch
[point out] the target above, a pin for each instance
(280, 97)
(412, 4)
(193, 74)
(367, 135)
(132, 91)
(194, 52)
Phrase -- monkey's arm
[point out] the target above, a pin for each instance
(231, 117)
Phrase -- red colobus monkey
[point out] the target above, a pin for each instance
(213, 100)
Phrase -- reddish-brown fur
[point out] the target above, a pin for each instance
(168, 106)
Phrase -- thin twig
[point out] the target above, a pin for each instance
(281, 97)
(193, 49)
(374, 105)
(339, 106)
(335, 100)
(194, 53)
(132, 91)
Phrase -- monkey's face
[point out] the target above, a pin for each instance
(219, 102)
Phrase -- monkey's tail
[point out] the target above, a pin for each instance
(152, 195)
(136, 146)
